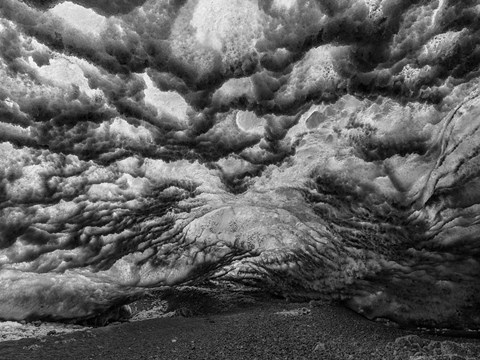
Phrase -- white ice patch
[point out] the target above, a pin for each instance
(63, 72)
(315, 71)
(12, 330)
(166, 102)
(29, 185)
(228, 26)
(104, 191)
(442, 44)
(124, 129)
(249, 122)
(234, 89)
(375, 9)
(318, 63)
(284, 4)
(438, 12)
(80, 18)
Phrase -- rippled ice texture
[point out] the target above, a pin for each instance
(317, 149)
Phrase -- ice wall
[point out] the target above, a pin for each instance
(318, 149)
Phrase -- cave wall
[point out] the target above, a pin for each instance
(316, 149)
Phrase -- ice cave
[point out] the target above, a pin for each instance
(316, 149)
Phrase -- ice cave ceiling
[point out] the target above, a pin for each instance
(317, 149)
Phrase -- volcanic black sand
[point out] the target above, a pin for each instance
(239, 325)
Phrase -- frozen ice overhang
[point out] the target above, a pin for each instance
(313, 149)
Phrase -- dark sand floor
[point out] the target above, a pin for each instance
(260, 330)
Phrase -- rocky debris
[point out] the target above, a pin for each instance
(187, 301)
(257, 331)
(116, 314)
(167, 303)
(413, 347)
(294, 312)
(11, 330)
(320, 347)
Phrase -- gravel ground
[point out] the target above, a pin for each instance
(247, 328)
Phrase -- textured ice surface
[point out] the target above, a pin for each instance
(317, 149)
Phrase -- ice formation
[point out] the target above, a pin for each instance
(316, 149)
